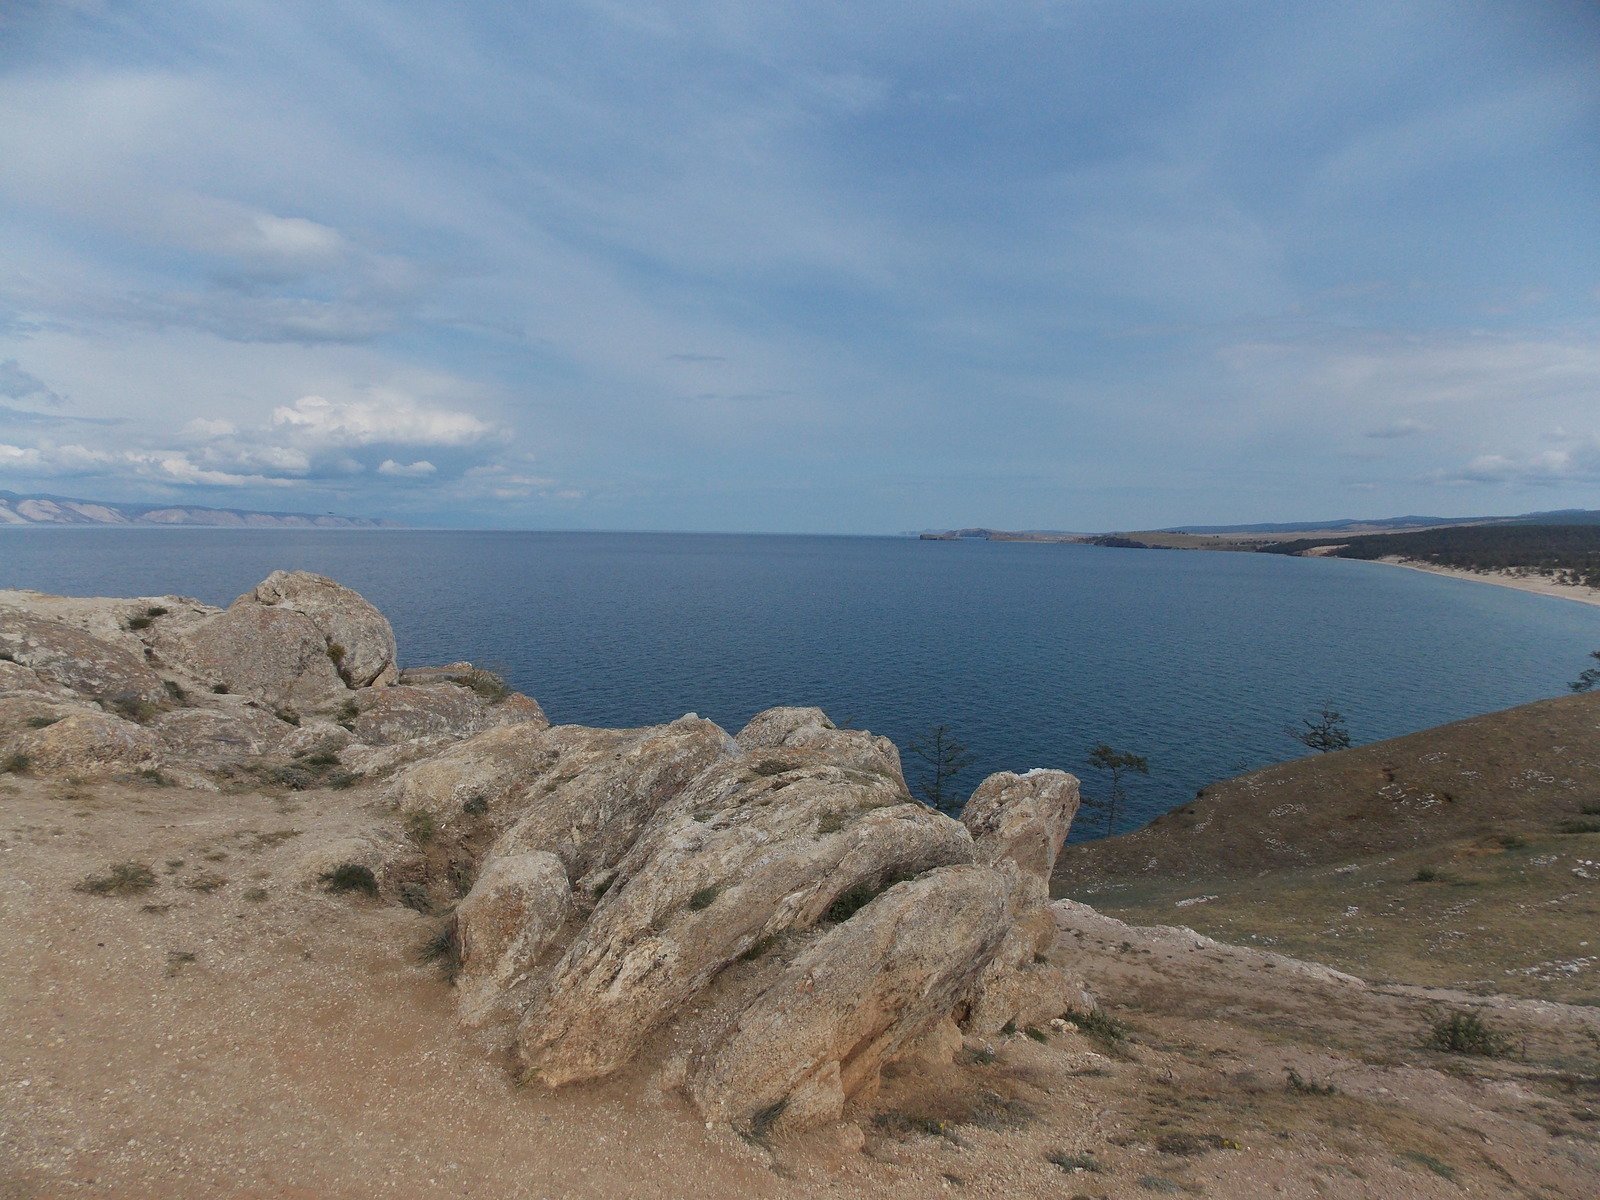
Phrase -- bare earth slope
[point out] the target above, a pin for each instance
(235, 1031)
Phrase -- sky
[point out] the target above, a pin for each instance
(803, 267)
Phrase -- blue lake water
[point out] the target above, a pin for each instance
(1030, 653)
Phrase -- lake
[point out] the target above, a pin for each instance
(1029, 653)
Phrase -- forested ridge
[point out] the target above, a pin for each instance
(1566, 553)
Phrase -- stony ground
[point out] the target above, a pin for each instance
(234, 1030)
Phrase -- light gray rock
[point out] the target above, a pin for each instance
(88, 741)
(871, 989)
(511, 918)
(810, 729)
(1021, 984)
(1023, 818)
(90, 666)
(16, 679)
(234, 731)
(357, 633)
(275, 655)
(314, 737)
(597, 788)
(1018, 823)
(750, 850)
(390, 715)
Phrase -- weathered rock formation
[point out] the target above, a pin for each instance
(770, 918)
(288, 685)
(771, 914)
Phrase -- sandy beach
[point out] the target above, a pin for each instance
(1538, 584)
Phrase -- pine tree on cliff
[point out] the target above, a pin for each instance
(1119, 763)
(945, 758)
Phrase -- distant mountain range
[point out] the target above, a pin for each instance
(44, 509)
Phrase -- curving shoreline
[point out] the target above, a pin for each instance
(1537, 584)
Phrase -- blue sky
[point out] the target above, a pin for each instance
(803, 266)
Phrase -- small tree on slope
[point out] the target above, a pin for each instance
(1119, 762)
(1324, 735)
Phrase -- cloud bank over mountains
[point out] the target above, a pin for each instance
(692, 264)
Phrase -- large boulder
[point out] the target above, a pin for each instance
(72, 658)
(1023, 818)
(749, 851)
(513, 915)
(1018, 823)
(359, 639)
(274, 655)
(400, 713)
(810, 729)
(599, 787)
(223, 732)
(86, 741)
(853, 1002)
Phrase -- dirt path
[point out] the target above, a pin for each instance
(235, 1032)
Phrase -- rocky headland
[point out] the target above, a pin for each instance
(417, 940)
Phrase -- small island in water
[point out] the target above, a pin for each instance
(391, 917)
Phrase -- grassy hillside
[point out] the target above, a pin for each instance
(1467, 855)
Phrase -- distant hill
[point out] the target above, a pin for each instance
(1560, 516)
(43, 509)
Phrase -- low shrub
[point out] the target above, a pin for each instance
(15, 764)
(1098, 1024)
(421, 826)
(488, 684)
(1307, 1087)
(1466, 1032)
(122, 879)
(1071, 1163)
(443, 950)
(351, 877)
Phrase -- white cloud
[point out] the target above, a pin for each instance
(420, 469)
(386, 419)
(1581, 464)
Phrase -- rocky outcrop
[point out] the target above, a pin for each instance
(848, 1006)
(749, 851)
(809, 729)
(1018, 824)
(79, 661)
(776, 906)
(84, 741)
(357, 637)
(296, 668)
(274, 655)
(513, 915)
(1023, 818)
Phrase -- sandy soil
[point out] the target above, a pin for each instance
(1538, 584)
(235, 1031)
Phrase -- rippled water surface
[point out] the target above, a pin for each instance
(1031, 653)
